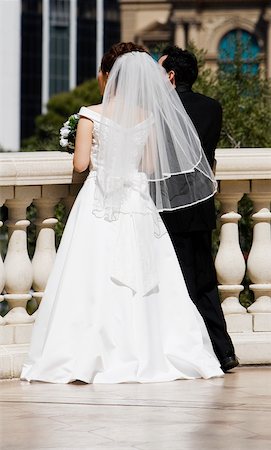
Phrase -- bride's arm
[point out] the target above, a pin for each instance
(83, 144)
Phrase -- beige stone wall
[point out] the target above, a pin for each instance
(213, 25)
(205, 26)
(136, 16)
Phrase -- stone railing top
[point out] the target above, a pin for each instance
(37, 168)
(44, 167)
(243, 163)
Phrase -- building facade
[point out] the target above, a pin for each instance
(213, 25)
(46, 47)
(49, 46)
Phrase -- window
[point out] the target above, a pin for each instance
(111, 23)
(86, 34)
(59, 46)
(86, 40)
(31, 65)
(239, 46)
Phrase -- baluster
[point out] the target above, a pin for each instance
(259, 260)
(229, 263)
(6, 192)
(2, 283)
(18, 267)
(45, 251)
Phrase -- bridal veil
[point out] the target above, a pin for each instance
(145, 129)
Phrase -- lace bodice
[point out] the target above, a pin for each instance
(137, 137)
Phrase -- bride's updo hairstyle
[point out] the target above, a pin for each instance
(117, 50)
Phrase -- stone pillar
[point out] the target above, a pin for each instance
(194, 32)
(229, 263)
(259, 260)
(45, 251)
(18, 267)
(179, 35)
(128, 22)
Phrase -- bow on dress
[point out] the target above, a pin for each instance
(134, 259)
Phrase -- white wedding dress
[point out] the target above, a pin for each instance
(116, 308)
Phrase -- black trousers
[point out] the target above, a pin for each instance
(194, 252)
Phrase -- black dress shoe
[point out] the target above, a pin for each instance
(229, 363)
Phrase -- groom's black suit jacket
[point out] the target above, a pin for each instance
(206, 115)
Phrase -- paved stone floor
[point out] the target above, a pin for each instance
(233, 413)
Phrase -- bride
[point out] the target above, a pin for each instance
(116, 308)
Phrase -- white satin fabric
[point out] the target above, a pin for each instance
(116, 308)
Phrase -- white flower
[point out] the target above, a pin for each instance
(64, 132)
(64, 142)
(68, 131)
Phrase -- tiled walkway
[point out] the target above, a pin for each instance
(233, 413)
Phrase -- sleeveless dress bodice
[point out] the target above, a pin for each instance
(136, 137)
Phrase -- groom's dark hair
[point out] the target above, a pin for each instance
(183, 63)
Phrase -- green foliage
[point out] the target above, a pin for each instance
(206, 80)
(245, 99)
(247, 110)
(59, 108)
(246, 103)
(31, 215)
(245, 209)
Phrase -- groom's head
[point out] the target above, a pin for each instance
(181, 66)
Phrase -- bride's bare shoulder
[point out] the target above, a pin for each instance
(96, 108)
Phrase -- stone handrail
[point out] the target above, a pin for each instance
(243, 163)
(45, 178)
(37, 168)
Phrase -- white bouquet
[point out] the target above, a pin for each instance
(68, 133)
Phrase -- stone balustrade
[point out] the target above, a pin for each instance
(46, 178)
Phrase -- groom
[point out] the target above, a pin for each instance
(191, 228)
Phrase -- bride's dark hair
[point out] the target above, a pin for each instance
(117, 50)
